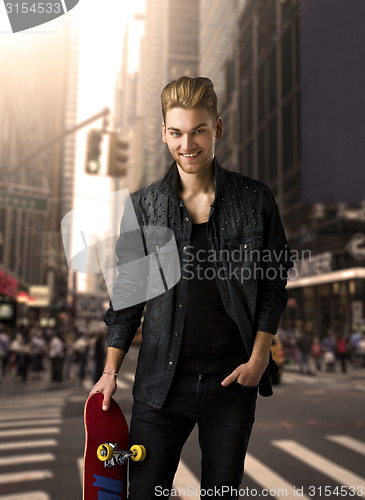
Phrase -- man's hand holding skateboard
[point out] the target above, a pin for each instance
(107, 386)
(107, 447)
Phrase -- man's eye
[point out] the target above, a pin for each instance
(200, 131)
(175, 134)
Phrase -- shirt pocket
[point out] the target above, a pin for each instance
(243, 258)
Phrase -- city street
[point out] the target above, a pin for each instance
(193, 170)
(308, 440)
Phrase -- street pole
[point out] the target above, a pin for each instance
(102, 114)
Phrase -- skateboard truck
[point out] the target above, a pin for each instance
(111, 455)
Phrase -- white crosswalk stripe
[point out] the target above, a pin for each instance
(340, 474)
(9, 415)
(29, 432)
(23, 477)
(26, 459)
(29, 495)
(22, 423)
(37, 416)
(267, 479)
(184, 478)
(122, 385)
(265, 476)
(80, 466)
(349, 442)
(293, 378)
(16, 445)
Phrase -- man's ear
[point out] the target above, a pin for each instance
(164, 132)
(219, 128)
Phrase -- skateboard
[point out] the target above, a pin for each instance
(106, 451)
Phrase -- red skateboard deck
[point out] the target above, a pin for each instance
(106, 434)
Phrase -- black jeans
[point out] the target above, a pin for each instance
(224, 416)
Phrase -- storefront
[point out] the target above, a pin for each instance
(323, 298)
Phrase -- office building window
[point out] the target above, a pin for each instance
(272, 79)
(288, 129)
(287, 63)
(273, 150)
(261, 94)
(249, 116)
(250, 160)
(261, 157)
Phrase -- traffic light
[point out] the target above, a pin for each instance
(118, 156)
(93, 151)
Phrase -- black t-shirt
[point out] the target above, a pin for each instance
(211, 339)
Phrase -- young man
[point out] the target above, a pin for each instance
(206, 342)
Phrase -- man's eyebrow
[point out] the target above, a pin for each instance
(196, 128)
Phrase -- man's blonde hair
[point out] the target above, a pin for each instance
(189, 93)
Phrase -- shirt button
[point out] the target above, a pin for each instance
(176, 334)
(245, 246)
(180, 305)
(157, 247)
(187, 219)
(185, 248)
(170, 363)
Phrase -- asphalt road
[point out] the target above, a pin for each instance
(308, 440)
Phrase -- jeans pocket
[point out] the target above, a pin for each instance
(246, 387)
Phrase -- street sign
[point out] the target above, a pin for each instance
(356, 246)
(23, 202)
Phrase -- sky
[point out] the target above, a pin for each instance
(101, 33)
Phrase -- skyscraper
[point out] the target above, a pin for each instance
(170, 49)
(38, 100)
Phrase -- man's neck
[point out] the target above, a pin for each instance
(191, 185)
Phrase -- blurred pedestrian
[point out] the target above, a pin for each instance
(355, 358)
(82, 350)
(341, 351)
(304, 343)
(361, 349)
(21, 349)
(38, 347)
(69, 339)
(99, 355)
(4, 350)
(317, 353)
(57, 355)
(329, 355)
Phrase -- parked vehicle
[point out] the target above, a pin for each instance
(277, 352)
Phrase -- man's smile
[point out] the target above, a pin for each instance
(190, 155)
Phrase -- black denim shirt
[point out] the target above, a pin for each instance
(243, 218)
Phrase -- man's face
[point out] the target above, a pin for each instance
(190, 135)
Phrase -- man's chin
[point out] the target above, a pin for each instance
(190, 169)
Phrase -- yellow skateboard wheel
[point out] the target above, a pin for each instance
(139, 453)
(105, 452)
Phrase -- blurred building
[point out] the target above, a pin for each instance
(265, 78)
(218, 28)
(127, 118)
(170, 49)
(38, 101)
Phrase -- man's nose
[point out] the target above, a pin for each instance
(188, 142)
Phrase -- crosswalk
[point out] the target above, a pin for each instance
(268, 482)
(270, 478)
(325, 382)
(30, 426)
